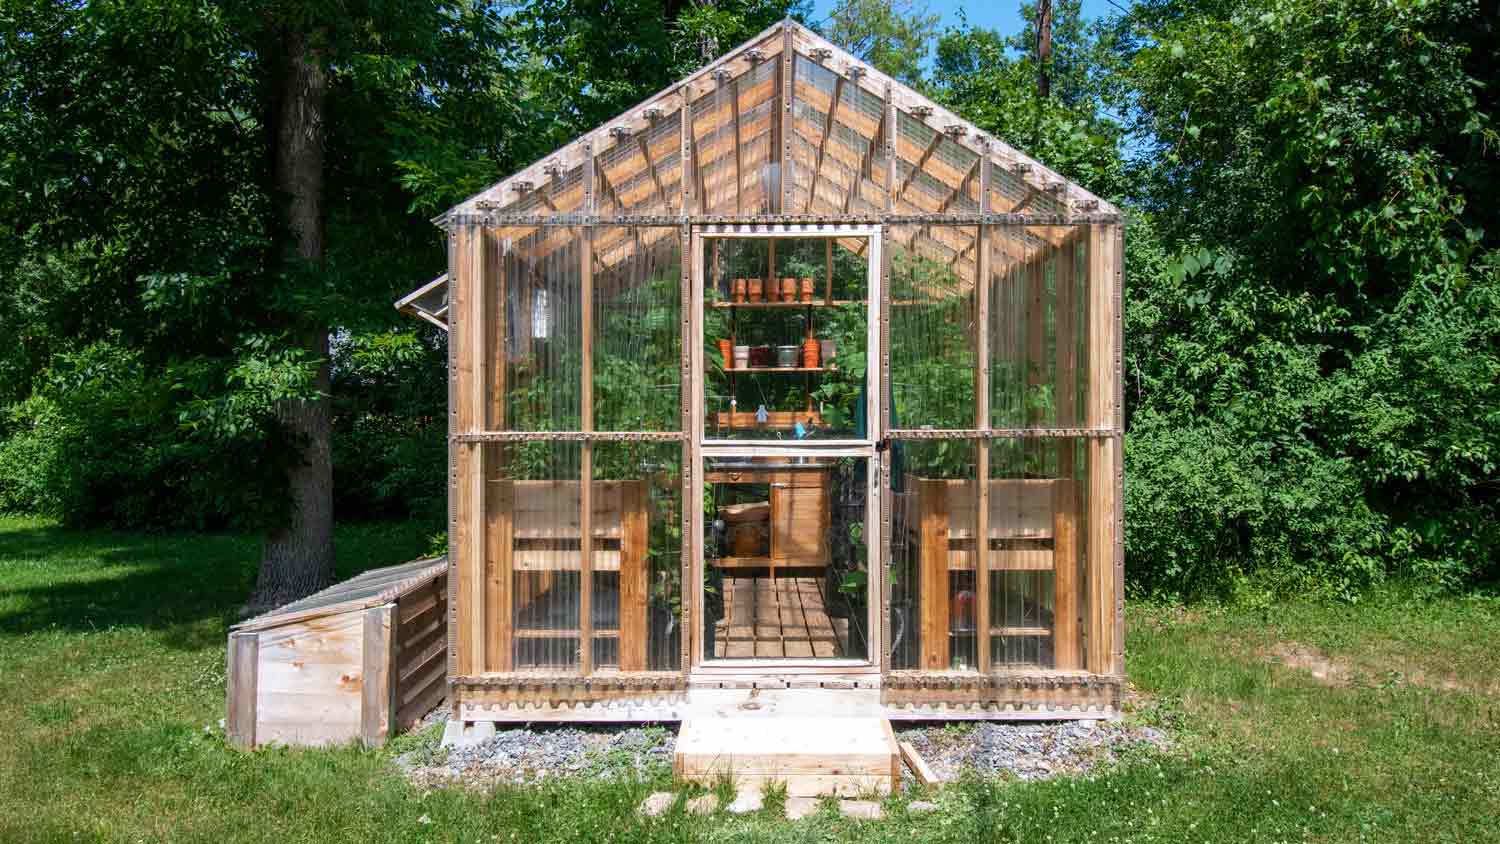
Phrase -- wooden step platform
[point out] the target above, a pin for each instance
(814, 757)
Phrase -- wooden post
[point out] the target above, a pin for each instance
(932, 507)
(891, 128)
(377, 705)
(586, 413)
(828, 272)
(982, 611)
(787, 71)
(499, 546)
(469, 406)
(243, 659)
(1067, 646)
(1102, 502)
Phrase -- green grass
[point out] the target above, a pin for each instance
(112, 682)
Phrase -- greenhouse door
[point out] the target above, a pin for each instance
(785, 573)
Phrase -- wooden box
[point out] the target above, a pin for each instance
(360, 660)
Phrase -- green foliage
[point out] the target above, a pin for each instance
(1312, 340)
(893, 35)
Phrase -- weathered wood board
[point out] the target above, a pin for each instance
(812, 756)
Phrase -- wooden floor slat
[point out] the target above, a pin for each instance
(784, 617)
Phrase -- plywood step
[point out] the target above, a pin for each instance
(814, 757)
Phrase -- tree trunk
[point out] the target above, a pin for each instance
(1043, 47)
(297, 559)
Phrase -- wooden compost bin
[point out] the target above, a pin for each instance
(360, 660)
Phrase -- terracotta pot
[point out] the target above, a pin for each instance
(726, 348)
(789, 289)
(752, 289)
(738, 290)
(807, 289)
(810, 349)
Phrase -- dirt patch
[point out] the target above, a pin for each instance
(1321, 666)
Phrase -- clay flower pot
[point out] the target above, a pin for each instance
(738, 290)
(789, 289)
(726, 349)
(807, 289)
(753, 289)
(810, 349)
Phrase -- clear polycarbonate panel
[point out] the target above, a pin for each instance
(785, 331)
(1038, 326)
(1017, 189)
(786, 565)
(534, 334)
(1037, 543)
(932, 542)
(534, 506)
(826, 150)
(735, 129)
(639, 172)
(932, 332)
(935, 173)
(637, 555)
(637, 343)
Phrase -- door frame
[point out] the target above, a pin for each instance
(699, 447)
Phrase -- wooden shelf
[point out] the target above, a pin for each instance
(574, 633)
(1015, 632)
(816, 303)
(756, 370)
(765, 562)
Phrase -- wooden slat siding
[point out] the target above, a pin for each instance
(377, 692)
(981, 341)
(243, 658)
(309, 681)
(634, 581)
(1066, 644)
(414, 710)
(933, 565)
(1101, 488)
(499, 586)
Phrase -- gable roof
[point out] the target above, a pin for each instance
(831, 114)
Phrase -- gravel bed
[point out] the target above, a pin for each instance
(525, 755)
(1024, 751)
(528, 755)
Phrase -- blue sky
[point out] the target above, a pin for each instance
(1004, 15)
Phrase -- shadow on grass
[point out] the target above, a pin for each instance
(56, 578)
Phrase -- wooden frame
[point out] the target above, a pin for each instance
(701, 447)
(987, 211)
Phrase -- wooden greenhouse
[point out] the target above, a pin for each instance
(787, 378)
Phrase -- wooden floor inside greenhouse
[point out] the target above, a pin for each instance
(778, 617)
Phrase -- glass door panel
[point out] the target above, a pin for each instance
(786, 561)
(786, 328)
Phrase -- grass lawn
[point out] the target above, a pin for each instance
(1371, 722)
